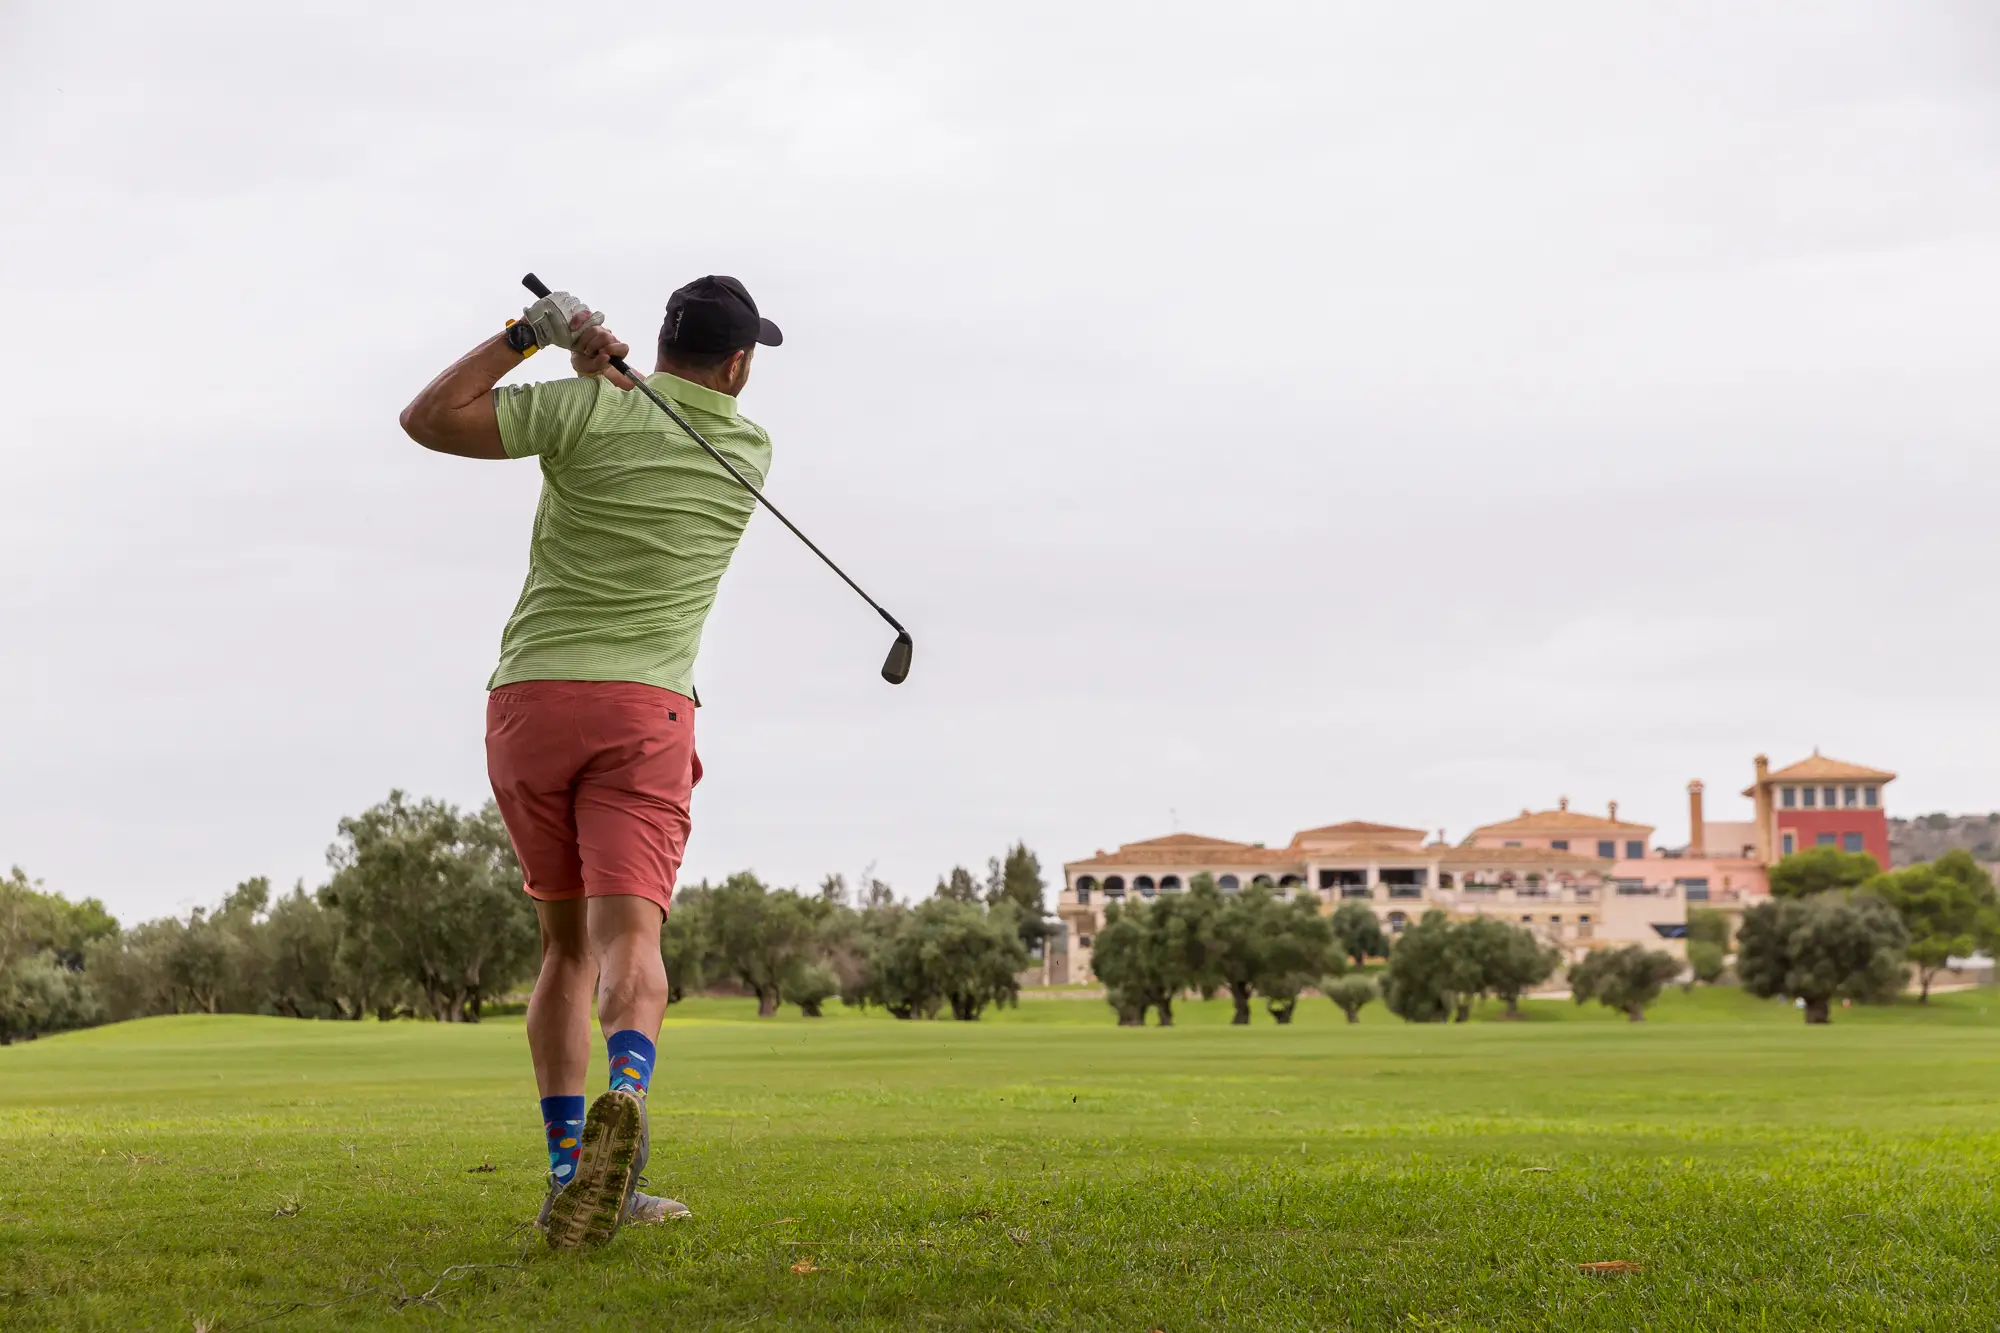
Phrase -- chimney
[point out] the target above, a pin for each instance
(1762, 792)
(1614, 812)
(1697, 838)
(1562, 803)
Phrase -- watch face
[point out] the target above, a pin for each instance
(521, 336)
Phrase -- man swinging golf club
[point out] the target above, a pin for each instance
(590, 718)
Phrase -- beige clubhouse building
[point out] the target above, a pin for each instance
(1580, 881)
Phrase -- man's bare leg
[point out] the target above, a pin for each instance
(559, 1010)
(631, 975)
(624, 941)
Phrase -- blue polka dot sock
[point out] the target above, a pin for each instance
(631, 1061)
(562, 1119)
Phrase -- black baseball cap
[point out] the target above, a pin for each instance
(715, 314)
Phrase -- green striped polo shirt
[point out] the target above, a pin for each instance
(635, 526)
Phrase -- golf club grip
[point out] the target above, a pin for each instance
(535, 285)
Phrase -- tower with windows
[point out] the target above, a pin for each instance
(1821, 802)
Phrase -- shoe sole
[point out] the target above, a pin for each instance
(589, 1209)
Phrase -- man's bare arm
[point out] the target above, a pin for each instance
(454, 413)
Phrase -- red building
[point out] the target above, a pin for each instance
(1821, 802)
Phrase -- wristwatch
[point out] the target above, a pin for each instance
(521, 337)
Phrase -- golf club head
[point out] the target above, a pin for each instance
(897, 666)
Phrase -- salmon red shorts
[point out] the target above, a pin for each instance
(593, 779)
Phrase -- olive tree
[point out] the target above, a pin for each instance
(1351, 995)
(1822, 948)
(1948, 907)
(1627, 979)
(1359, 932)
(1148, 953)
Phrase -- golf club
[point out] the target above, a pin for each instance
(896, 666)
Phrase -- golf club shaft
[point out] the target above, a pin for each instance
(539, 288)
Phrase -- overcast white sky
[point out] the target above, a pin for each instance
(1262, 415)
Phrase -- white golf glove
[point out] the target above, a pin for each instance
(550, 318)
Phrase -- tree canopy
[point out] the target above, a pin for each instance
(1439, 967)
(1627, 979)
(1359, 932)
(1947, 906)
(1821, 870)
(1821, 948)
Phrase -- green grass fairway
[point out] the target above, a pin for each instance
(1041, 1169)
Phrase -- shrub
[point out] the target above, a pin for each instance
(1351, 995)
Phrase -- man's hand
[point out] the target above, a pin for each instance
(557, 318)
(594, 350)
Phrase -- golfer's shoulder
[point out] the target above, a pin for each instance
(547, 417)
(754, 433)
(578, 393)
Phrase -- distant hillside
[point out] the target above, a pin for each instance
(1930, 836)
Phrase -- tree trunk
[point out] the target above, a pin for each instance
(1353, 1015)
(1513, 1006)
(1463, 1013)
(1924, 975)
(1241, 995)
(809, 1009)
(1819, 1011)
(1164, 1011)
(767, 1002)
(1636, 1012)
(1282, 1012)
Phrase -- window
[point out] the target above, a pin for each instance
(1558, 844)
(1824, 840)
(1114, 886)
(1290, 882)
(1085, 883)
(1696, 890)
(1396, 923)
(1790, 846)
(1228, 883)
(1510, 844)
(1827, 797)
(1607, 849)
(1790, 797)
(1444, 879)
(1850, 842)
(1630, 887)
(1635, 849)
(1084, 940)
(1261, 881)
(1807, 796)
(1868, 797)
(1327, 879)
(1850, 797)
(1144, 884)
(1556, 920)
(1082, 896)
(1170, 884)
(1583, 920)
